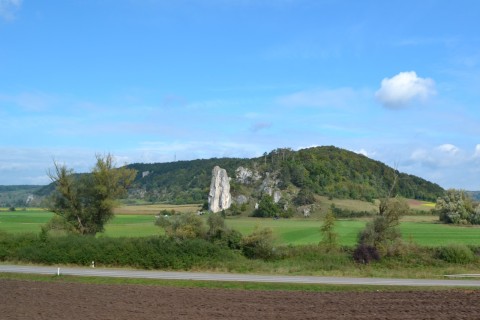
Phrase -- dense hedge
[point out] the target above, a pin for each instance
(346, 213)
(147, 253)
(168, 254)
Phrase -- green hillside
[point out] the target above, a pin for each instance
(328, 171)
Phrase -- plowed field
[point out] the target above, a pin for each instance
(44, 300)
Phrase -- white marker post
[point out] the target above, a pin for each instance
(58, 271)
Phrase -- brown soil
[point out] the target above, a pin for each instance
(45, 300)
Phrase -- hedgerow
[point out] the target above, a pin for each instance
(147, 253)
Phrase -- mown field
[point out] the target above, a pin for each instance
(420, 229)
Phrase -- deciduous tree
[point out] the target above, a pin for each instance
(382, 233)
(329, 236)
(85, 202)
(455, 206)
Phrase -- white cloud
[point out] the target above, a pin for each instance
(8, 8)
(442, 156)
(364, 152)
(477, 151)
(403, 89)
(448, 148)
(446, 164)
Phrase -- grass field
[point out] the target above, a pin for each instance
(423, 230)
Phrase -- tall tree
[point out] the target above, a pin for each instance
(383, 232)
(329, 236)
(85, 203)
(457, 207)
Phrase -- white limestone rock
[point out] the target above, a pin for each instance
(219, 197)
(246, 176)
(277, 195)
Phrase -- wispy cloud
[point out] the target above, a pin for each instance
(30, 165)
(320, 98)
(29, 101)
(8, 9)
(443, 156)
(426, 41)
(403, 89)
(166, 151)
(256, 127)
(476, 154)
(448, 149)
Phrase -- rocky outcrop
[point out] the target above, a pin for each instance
(269, 186)
(277, 195)
(241, 199)
(246, 176)
(219, 197)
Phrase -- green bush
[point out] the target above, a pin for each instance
(266, 208)
(182, 226)
(365, 254)
(455, 253)
(259, 245)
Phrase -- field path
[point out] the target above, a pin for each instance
(126, 273)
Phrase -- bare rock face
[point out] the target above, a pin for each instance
(241, 199)
(246, 176)
(219, 197)
(277, 195)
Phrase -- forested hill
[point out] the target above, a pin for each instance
(18, 195)
(327, 170)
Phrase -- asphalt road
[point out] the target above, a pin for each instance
(125, 273)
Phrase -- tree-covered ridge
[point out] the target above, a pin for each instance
(324, 170)
(180, 181)
(341, 173)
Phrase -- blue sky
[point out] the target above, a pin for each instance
(151, 80)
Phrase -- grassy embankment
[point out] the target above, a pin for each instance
(219, 284)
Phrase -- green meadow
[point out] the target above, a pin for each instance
(422, 230)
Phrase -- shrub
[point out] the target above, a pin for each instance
(259, 244)
(304, 197)
(266, 208)
(365, 254)
(220, 234)
(183, 226)
(232, 239)
(455, 253)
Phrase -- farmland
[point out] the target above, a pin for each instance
(138, 221)
(53, 300)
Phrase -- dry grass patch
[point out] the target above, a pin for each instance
(152, 209)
